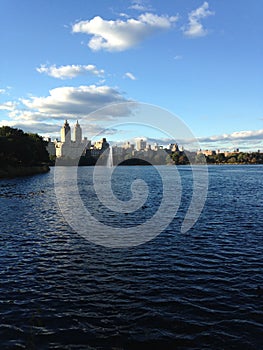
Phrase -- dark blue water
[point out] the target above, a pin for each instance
(200, 290)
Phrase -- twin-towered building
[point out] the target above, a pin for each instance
(65, 133)
(70, 148)
(74, 147)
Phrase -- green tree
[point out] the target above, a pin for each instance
(232, 159)
(175, 157)
(19, 148)
(200, 159)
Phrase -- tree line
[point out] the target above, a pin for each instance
(18, 148)
(183, 158)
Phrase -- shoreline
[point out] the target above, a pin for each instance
(10, 172)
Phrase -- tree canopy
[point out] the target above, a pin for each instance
(18, 148)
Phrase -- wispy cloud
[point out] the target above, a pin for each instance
(120, 35)
(70, 71)
(8, 106)
(140, 5)
(53, 129)
(195, 28)
(178, 57)
(235, 136)
(5, 91)
(31, 126)
(130, 76)
(246, 139)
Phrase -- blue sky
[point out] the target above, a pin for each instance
(199, 60)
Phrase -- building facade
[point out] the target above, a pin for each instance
(140, 145)
(67, 148)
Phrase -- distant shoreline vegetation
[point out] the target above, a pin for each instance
(164, 157)
(180, 158)
(22, 154)
(81, 152)
(236, 158)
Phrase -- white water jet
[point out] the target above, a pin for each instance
(110, 158)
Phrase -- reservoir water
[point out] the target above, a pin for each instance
(198, 290)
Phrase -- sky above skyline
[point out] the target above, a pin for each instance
(198, 60)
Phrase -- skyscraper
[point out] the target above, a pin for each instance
(65, 133)
(77, 133)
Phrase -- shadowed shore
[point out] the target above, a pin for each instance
(9, 171)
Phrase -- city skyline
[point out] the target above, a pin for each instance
(200, 60)
(71, 135)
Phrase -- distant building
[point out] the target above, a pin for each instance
(148, 148)
(99, 147)
(76, 147)
(102, 144)
(173, 147)
(119, 151)
(51, 147)
(157, 147)
(228, 153)
(67, 148)
(128, 146)
(206, 152)
(77, 133)
(140, 145)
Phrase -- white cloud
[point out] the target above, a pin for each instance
(47, 129)
(140, 5)
(178, 57)
(80, 100)
(72, 103)
(121, 35)
(130, 76)
(8, 106)
(124, 15)
(5, 91)
(70, 71)
(31, 126)
(235, 136)
(45, 115)
(246, 139)
(195, 28)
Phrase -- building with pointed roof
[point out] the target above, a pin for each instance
(67, 148)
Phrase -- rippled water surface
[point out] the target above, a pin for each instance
(200, 290)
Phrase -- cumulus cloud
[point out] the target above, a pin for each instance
(46, 114)
(120, 35)
(70, 71)
(72, 103)
(130, 76)
(195, 28)
(80, 100)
